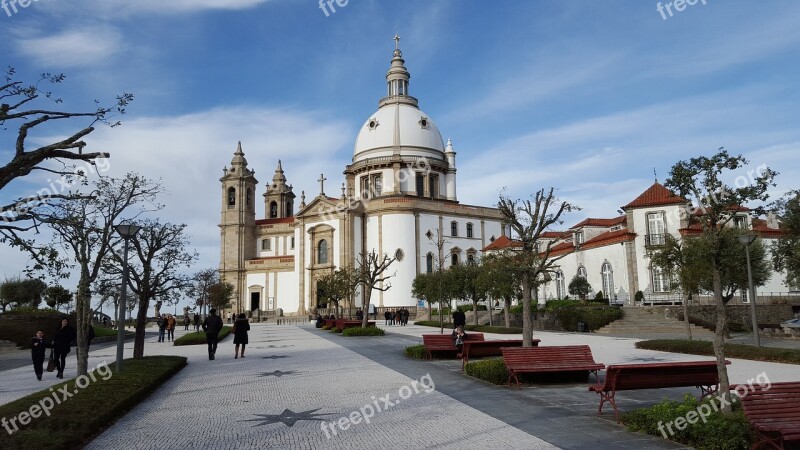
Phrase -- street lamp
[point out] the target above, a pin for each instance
(126, 231)
(747, 239)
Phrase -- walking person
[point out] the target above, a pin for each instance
(196, 322)
(171, 321)
(38, 347)
(240, 329)
(186, 322)
(387, 315)
(62, 344)
(212, 326)
(162, 326)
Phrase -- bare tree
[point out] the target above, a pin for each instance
(84, 228)
(31, 108)
(717, 204)
(371, 268)
(160, 251)
(528, 220)
(200, 288)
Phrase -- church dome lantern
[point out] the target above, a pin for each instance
(398, 127)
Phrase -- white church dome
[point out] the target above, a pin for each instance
(398, 123)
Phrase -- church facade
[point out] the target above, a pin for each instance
(398, 198)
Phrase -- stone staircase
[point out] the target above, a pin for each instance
(648, 321)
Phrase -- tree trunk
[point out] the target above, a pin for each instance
(686, 315)
(507, 311)
(475, 309)
(365, 306)
(719, 342)
(141, 322)
(527, 326)
(83, 320)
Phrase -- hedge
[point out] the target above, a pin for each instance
(416, 351)
(369, 331)
(476, 328)
(595, 317)
(716, 431)
(199, 337)
(706, 348)
(492, 370)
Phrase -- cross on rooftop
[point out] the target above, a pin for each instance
(322, 181)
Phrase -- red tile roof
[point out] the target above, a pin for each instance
(604, 223)
(501, 243)
(275, 221)
(555, 234)
(655, 195)
(760, 227)
(602, 240)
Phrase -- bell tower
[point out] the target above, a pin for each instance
(279, 198)
(237, 224)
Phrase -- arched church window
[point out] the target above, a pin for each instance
(289, 211)
(561, 288)
(249, 198)
(582, 272)
(429, 263)
(454, 259)
(322, 252)
(231, 196)
(608, 280)
(273, 210)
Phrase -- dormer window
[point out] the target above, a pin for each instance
(423, 122)
(372, 124)
(579, 237)
(740, 222)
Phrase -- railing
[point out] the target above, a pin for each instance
(291, 320)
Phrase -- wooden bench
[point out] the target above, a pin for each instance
(445, 342)
(329, 323)
(568, 358)
(774, 412)
(489, 348)
(624, 377)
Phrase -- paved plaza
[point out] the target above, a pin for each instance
(300, 387)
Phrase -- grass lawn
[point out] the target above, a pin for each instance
(694, 347)
(199, 337)
(95, 407)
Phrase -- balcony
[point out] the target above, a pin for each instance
(654, 240)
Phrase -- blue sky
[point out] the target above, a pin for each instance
(588, 97)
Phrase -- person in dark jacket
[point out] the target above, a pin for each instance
(38, 347)
(62, 344)
(240, 327)
(212, 326)
(459, 319)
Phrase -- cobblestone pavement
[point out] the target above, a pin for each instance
(299, 387)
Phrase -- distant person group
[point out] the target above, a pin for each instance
(166, 324)
(396, 317)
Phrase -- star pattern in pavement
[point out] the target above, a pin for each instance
(277, 373)
(275, 356)
(287, 417)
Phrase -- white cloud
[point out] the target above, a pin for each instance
(71, 48)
